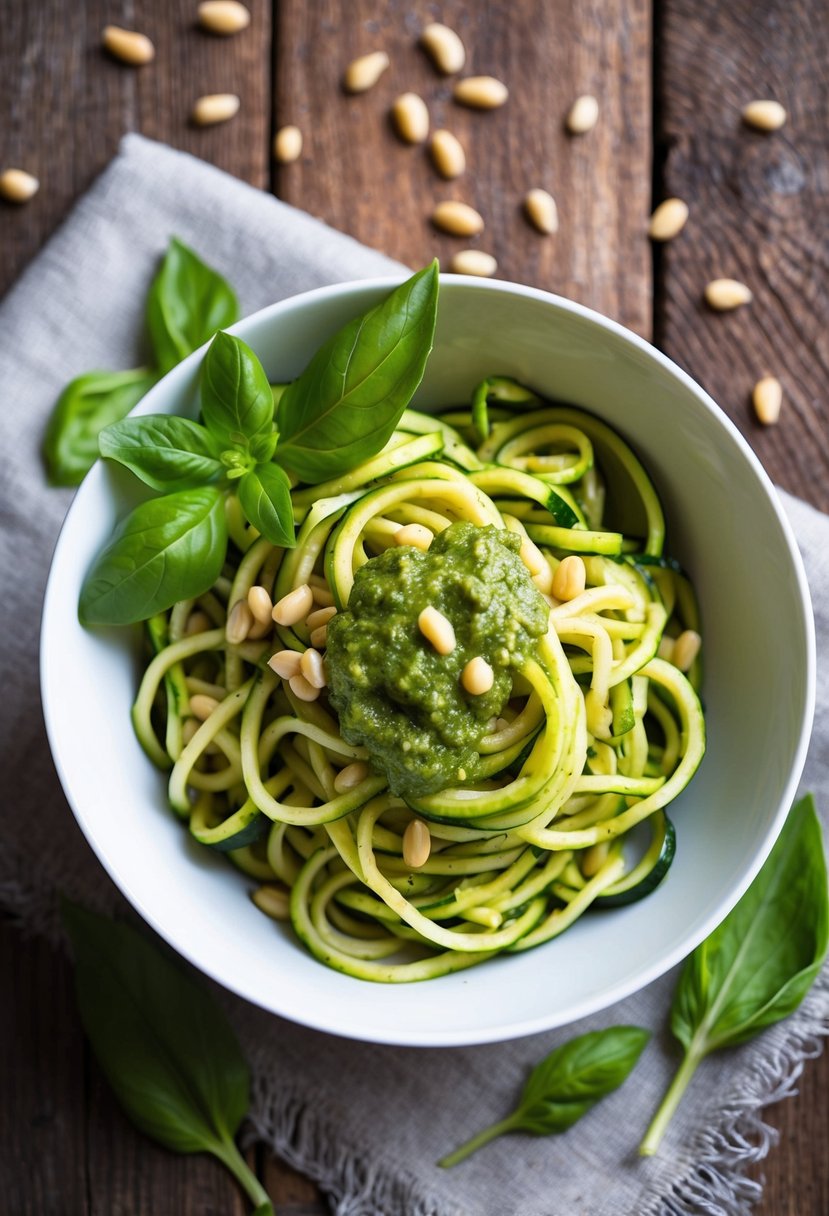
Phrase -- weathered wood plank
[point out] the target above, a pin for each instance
(796, 1172)
(759, 212)
(65, 103)
(356, 174)
(42, 1114)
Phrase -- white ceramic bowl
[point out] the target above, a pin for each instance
(725, 525)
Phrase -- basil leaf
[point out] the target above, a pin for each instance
(236, 398)
(165, 1047)
(565, 1085)
(88, 404)
(265, 495)
(167, 549)
(345, 405)
(187, 303)
(166, 452)
(758, 965)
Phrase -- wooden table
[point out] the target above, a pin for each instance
(671, 81)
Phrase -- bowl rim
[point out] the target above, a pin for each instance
(643, 976)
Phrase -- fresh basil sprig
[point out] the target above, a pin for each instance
(565, 1085)
(758, 965)
(165, 1047)
(187, 303)
(345, 405)
(172, 548)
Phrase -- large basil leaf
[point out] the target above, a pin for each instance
(345, 405)
(758, 965)
(565, 1085)
(265, 495)
(165, 1047)
(167, 549)
(88, 404)
(166, 452)
(236, 398)
(187, 303)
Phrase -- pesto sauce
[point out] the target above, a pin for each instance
(399, 698)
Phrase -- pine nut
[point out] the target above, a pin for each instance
(724, 294)
(313, 668)
(197, 622)
(260, 604)
(417, 844)
(767, 397)
(473, 261)
(300, 687)
(350, 776)
(18, 186)
(477, 676)
(686, 649)
(214, 108)
(287, 145)
(444, 48)
(447, 154)
(665, 650)
(239, 622)
(541, 211)
(322, 596)
(531, 556)
(414, 534)
(437, 629)
(259, 630)
(188, 730)
(411, 118)
(319, 637)
(583, 115)
(285, 663)
(593, 859)
(202, 706)
(320, 616)
(363, 73)
(570, 578)
(127, 45)
(668, 220)
(764, 115)
(294, 606)
(459, 219)
(223, 16)
(273, 901)
(481, 92)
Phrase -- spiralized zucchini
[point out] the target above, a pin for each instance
(602, 730)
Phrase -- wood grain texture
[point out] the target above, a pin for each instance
(759, 213)
(358, 175)
(65, 102)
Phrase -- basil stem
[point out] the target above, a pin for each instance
(758, 965)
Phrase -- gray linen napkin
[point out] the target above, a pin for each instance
(367, 1122)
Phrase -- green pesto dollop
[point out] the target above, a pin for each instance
(399, 698)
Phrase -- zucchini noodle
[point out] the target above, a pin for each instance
(563, 809)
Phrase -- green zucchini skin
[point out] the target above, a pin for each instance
(621, 896)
